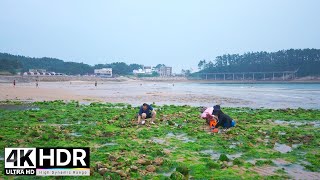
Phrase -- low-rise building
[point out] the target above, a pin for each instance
(41, 72)
(104, 72)
(144, 70)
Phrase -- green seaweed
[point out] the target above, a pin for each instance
(174, 145)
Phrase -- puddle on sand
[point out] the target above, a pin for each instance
(298, 123)
(282, 133)
(182, 137)
(296, 171)
(109, 144)
(13, 107)
(70, 124)
(293, 170)
(233, 156)
(66, 124)
(253, 161)
(168, 174)
(158, 140)
(282, 148)
(75, 134)
(234, 145)
(215, 155)
(105, 144)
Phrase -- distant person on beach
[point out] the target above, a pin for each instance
(14, 83)
(95, 83)
(146, 112)
(223, 119)
(37, 83)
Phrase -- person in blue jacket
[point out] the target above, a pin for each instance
(146, 111)
(223, 119)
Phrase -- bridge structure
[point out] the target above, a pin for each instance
(254, 76)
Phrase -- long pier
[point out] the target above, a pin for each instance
(274, 75)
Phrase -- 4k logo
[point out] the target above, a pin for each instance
(55, 161)
(20, 161)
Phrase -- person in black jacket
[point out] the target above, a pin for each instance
(223, 119)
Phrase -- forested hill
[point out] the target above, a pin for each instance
(15, 64)
(306, 60)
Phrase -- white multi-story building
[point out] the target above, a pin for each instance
(104, 72)
(144, 70)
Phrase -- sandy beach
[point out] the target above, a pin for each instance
(133, 92)
(136, 92)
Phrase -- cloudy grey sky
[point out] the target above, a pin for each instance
(174, 32)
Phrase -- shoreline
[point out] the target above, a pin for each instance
(23, 103)
(161, 93)
(26, 79)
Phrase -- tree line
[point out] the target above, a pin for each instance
(306, 61)
(16, 64)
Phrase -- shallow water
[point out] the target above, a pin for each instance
(295, 170)
(234, 145)
(75, 134)
(233, 156)
(110, 144)
(168, 174)
(282, 148)
(298, 123)
(158, 140)
(182, 137)
(215, 155)
(263, 95)
(13, 107)
(272, 96)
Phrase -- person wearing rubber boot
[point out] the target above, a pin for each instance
(223, 119)
(146, 111)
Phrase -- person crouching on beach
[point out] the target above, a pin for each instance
(207, 113)
(223, 119)
(146, 111)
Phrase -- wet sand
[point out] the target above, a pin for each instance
(136, 92)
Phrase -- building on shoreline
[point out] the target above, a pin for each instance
(41, 72)
(104, 72)
(144, 70)
(165, 71)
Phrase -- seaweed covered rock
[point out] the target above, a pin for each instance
(177, 176)
(143, 162)
(133, 168)
(237, 161)
(151, 168)
(171, 123)
(158, 161)
(223, 157)
(183, 170)
(213, 165)
(112, 158)
(121, 173)
(102, 171)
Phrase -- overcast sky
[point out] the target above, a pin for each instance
(177, 33)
